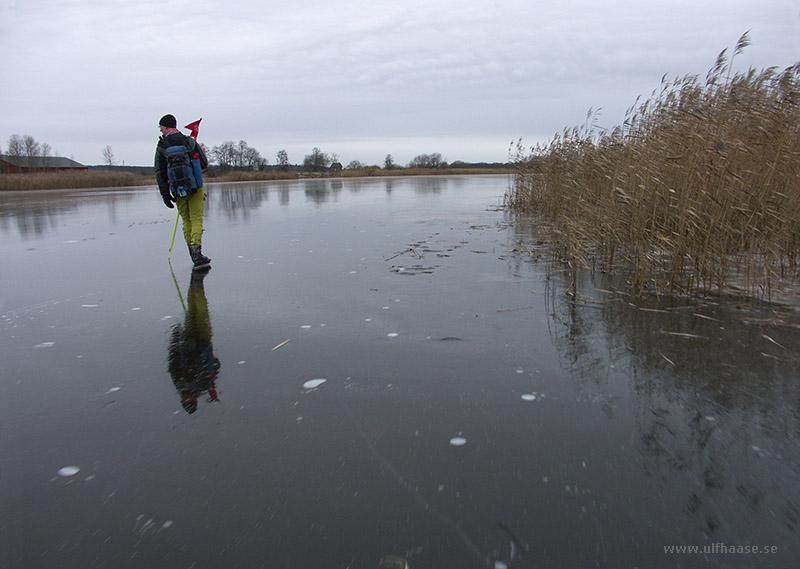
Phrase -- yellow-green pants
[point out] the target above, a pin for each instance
(197, 324)
(192, 209)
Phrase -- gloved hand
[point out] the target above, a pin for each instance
(167, 200)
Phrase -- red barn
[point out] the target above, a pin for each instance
(26, 164)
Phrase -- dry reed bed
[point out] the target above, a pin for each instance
(697, 191)
(72, 180)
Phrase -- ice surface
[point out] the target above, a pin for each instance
(369, 452)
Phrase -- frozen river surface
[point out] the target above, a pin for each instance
(372, 368)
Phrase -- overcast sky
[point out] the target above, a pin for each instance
(361, 79)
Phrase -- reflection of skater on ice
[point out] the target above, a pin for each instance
(192, 364)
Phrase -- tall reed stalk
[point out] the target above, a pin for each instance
(698, 190)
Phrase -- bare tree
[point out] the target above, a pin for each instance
(225, 154)
(31, 149)
(241, 150)
(108, 156)
(252, 159)
(388, 162)
(283, 160)
(317, 161)
(15, 146)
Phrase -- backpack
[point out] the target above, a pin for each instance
(183, 174)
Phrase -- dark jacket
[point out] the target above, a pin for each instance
(161, 158)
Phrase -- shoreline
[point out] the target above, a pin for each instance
(105, 180)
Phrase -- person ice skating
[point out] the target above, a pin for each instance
(180, 183)
(190, 356)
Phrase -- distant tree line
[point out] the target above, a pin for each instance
(319, 161)
(240, 155)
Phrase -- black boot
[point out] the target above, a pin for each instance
(199, 260)
(198, 274)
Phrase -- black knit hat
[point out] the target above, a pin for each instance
(168, 121)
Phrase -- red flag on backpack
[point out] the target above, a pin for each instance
(194, 127)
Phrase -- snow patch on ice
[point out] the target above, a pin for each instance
(532, 396)
(69, 471)
(458, 441)
(113, 389)
(314, 383)
(392, 334)
(89, 305)
(45, 345)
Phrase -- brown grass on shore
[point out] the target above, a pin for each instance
(248, 176)
(698, 190)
